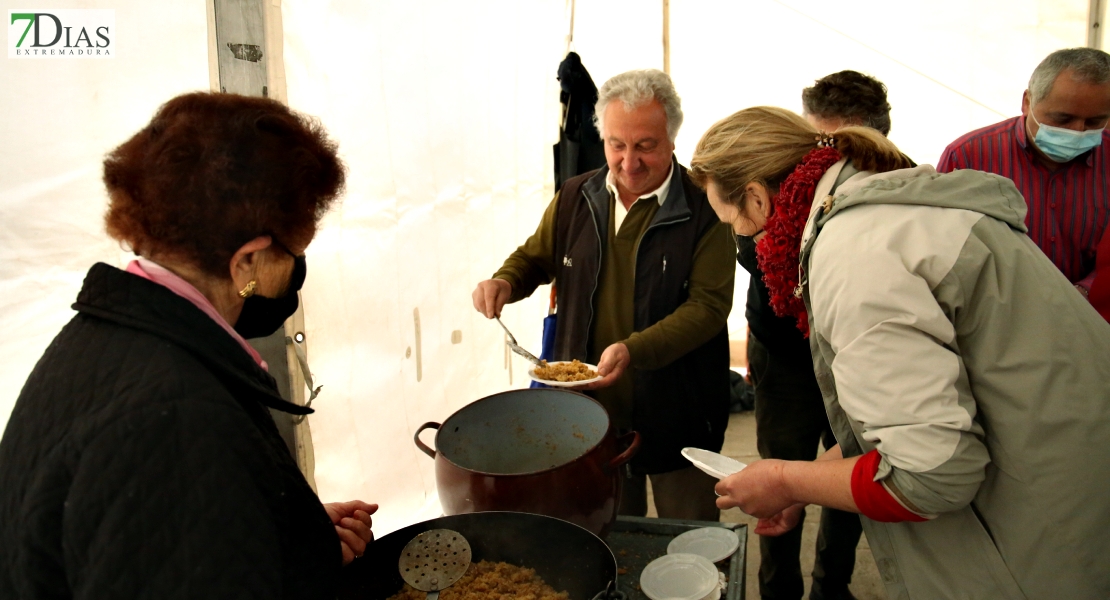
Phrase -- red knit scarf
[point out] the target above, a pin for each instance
(778, 251)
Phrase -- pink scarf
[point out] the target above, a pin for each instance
(155, 272)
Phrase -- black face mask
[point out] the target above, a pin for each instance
(263, 316)
(745, 253)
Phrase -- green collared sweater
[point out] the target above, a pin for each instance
(694, 322)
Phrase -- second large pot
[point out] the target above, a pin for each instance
(567, 557)
(544, 451)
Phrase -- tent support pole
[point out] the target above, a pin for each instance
(570, 34)
(1094, 23)
(667, 36)
(245, 57)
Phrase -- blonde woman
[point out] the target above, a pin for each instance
(964, 377)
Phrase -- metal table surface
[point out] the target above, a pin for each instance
(637, 541)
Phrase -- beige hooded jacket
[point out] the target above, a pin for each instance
(945, 339)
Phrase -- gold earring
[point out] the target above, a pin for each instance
(248, 291)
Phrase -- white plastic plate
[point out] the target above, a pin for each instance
(565, 384)
(712, 463)
(713, 543)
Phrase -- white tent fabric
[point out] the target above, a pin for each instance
(60, 116)
(445, 113)
(950, 65)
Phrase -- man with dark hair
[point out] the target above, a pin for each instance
(1054, 153)
(847, 98)
(789, 409)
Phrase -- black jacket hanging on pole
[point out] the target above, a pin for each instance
(579, 149)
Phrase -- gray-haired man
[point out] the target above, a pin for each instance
(643, 274)
(1054, 153)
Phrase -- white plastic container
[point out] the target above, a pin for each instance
(681, 577)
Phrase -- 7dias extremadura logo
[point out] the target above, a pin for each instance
(61, 33)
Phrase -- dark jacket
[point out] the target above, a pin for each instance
(141, 461)
(579, 148)
(684, 403)
(780, 335)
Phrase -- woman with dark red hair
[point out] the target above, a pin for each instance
(141, 458)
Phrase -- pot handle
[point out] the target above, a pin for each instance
(419, 444)
(633, 448)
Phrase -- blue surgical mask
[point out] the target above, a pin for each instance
(1062, 145)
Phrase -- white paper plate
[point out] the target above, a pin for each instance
(713, 543)
(566, 384)
(712, 463)
(680, 577)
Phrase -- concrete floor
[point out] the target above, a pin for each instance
(740, 444)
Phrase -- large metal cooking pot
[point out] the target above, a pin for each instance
(544, 451)
(567, 557)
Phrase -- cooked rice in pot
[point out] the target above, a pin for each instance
(486, 580)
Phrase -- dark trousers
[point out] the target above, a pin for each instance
(682, 494)
(790, 421)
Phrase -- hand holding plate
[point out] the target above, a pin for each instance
(614, 360)
(759, 490)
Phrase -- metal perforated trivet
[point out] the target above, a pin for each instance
(434, 559)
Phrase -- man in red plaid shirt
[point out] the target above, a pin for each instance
(1056, 155)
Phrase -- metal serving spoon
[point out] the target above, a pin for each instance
(434, 560)
(515, 347)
